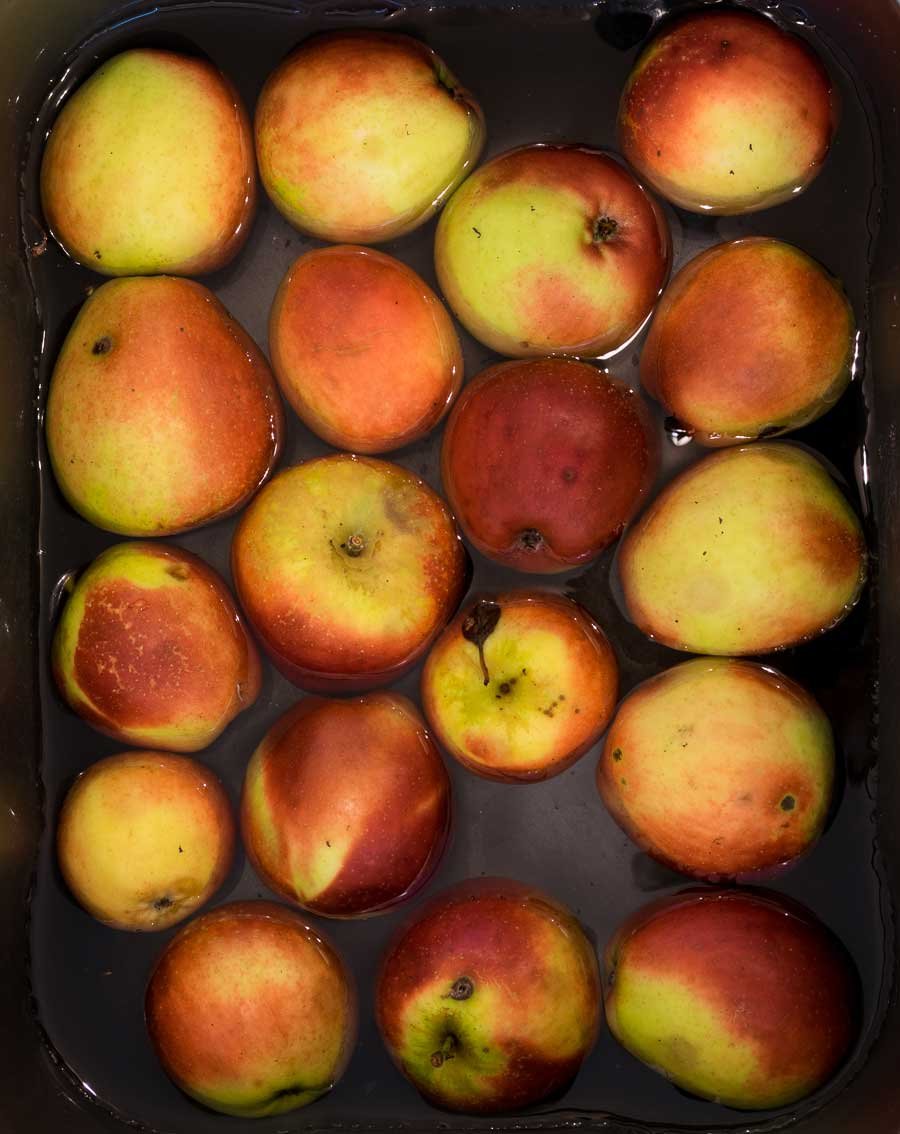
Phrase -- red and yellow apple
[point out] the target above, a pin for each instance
(251, 1011)
(346, 805)
(144, 839)
(520, 685)
(751, 338)
(719, 768)
(150, 649)
(749, 550)
(363, 349)
(361, 135)
(740, 997)
(725, 112)
(544, 462)
(348, 568)
(552, 250)
(149, 167)
(489, 999)
(162, 413)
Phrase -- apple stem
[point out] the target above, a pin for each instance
(477, 627)
(444, 1052)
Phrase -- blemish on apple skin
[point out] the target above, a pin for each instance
(476, 231)
(788, 803)
(181, 850)
(102, 345)
(617, 754)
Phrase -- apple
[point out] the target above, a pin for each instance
(361, 135)
(149, 167)
(489, 999)
(520, 685)
(363, 349)
(751, 338)
(251, 1011)
(544, 462)
(150, 649)
(736, 996)
(346, 805)
(725, 112)
(719, 768)
(144, 839)
(348, 568)
(162, 413)
(552, 250)
(749, 550)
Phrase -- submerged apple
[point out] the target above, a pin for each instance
(251, 1011)
(363, 349)
(361, 135)
(545, 461)
(348, 568)
(149, 167)
(751, 338)
(740, 997)
(520, 685)
(144, 839)
(749, 550)
(725, 112)
(720, 768)
(162, 413)
(552, 250)
(346, 805)
(489, 999)
(150, 648)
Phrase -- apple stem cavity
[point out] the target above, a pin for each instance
(477, 627)
(605, 228)
(444, 1052)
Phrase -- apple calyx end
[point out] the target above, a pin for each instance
(604, 229)
(354, 545)
(477, 627)
(462, 988)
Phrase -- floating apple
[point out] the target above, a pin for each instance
(552, 250)
(749, 550)
(348, 568)
(150, 649)
(520, 685)
(251, 1011)
(346, 805)
(144, 839)
(361, 135)
(751, 338)
(488, 1001)
(149, 167)
(739, 997)
(162, 413)
(725, 112)
(544, 462)
(720, 768)
(363, 349)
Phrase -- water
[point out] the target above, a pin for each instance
(553, 76)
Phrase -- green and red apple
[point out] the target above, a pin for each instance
(347, 568)
(720, 768)
(544, 461)
(520, 685)
(361, 135)
(736, 996)
(162, 413)
(726, 112)
(552, 249)
(252, 1012)
(751, 338)
(144, 839)
(149, 167)
(489, 999)
(749, 550)
(346, 805)
(363, 349)
(150, 648)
